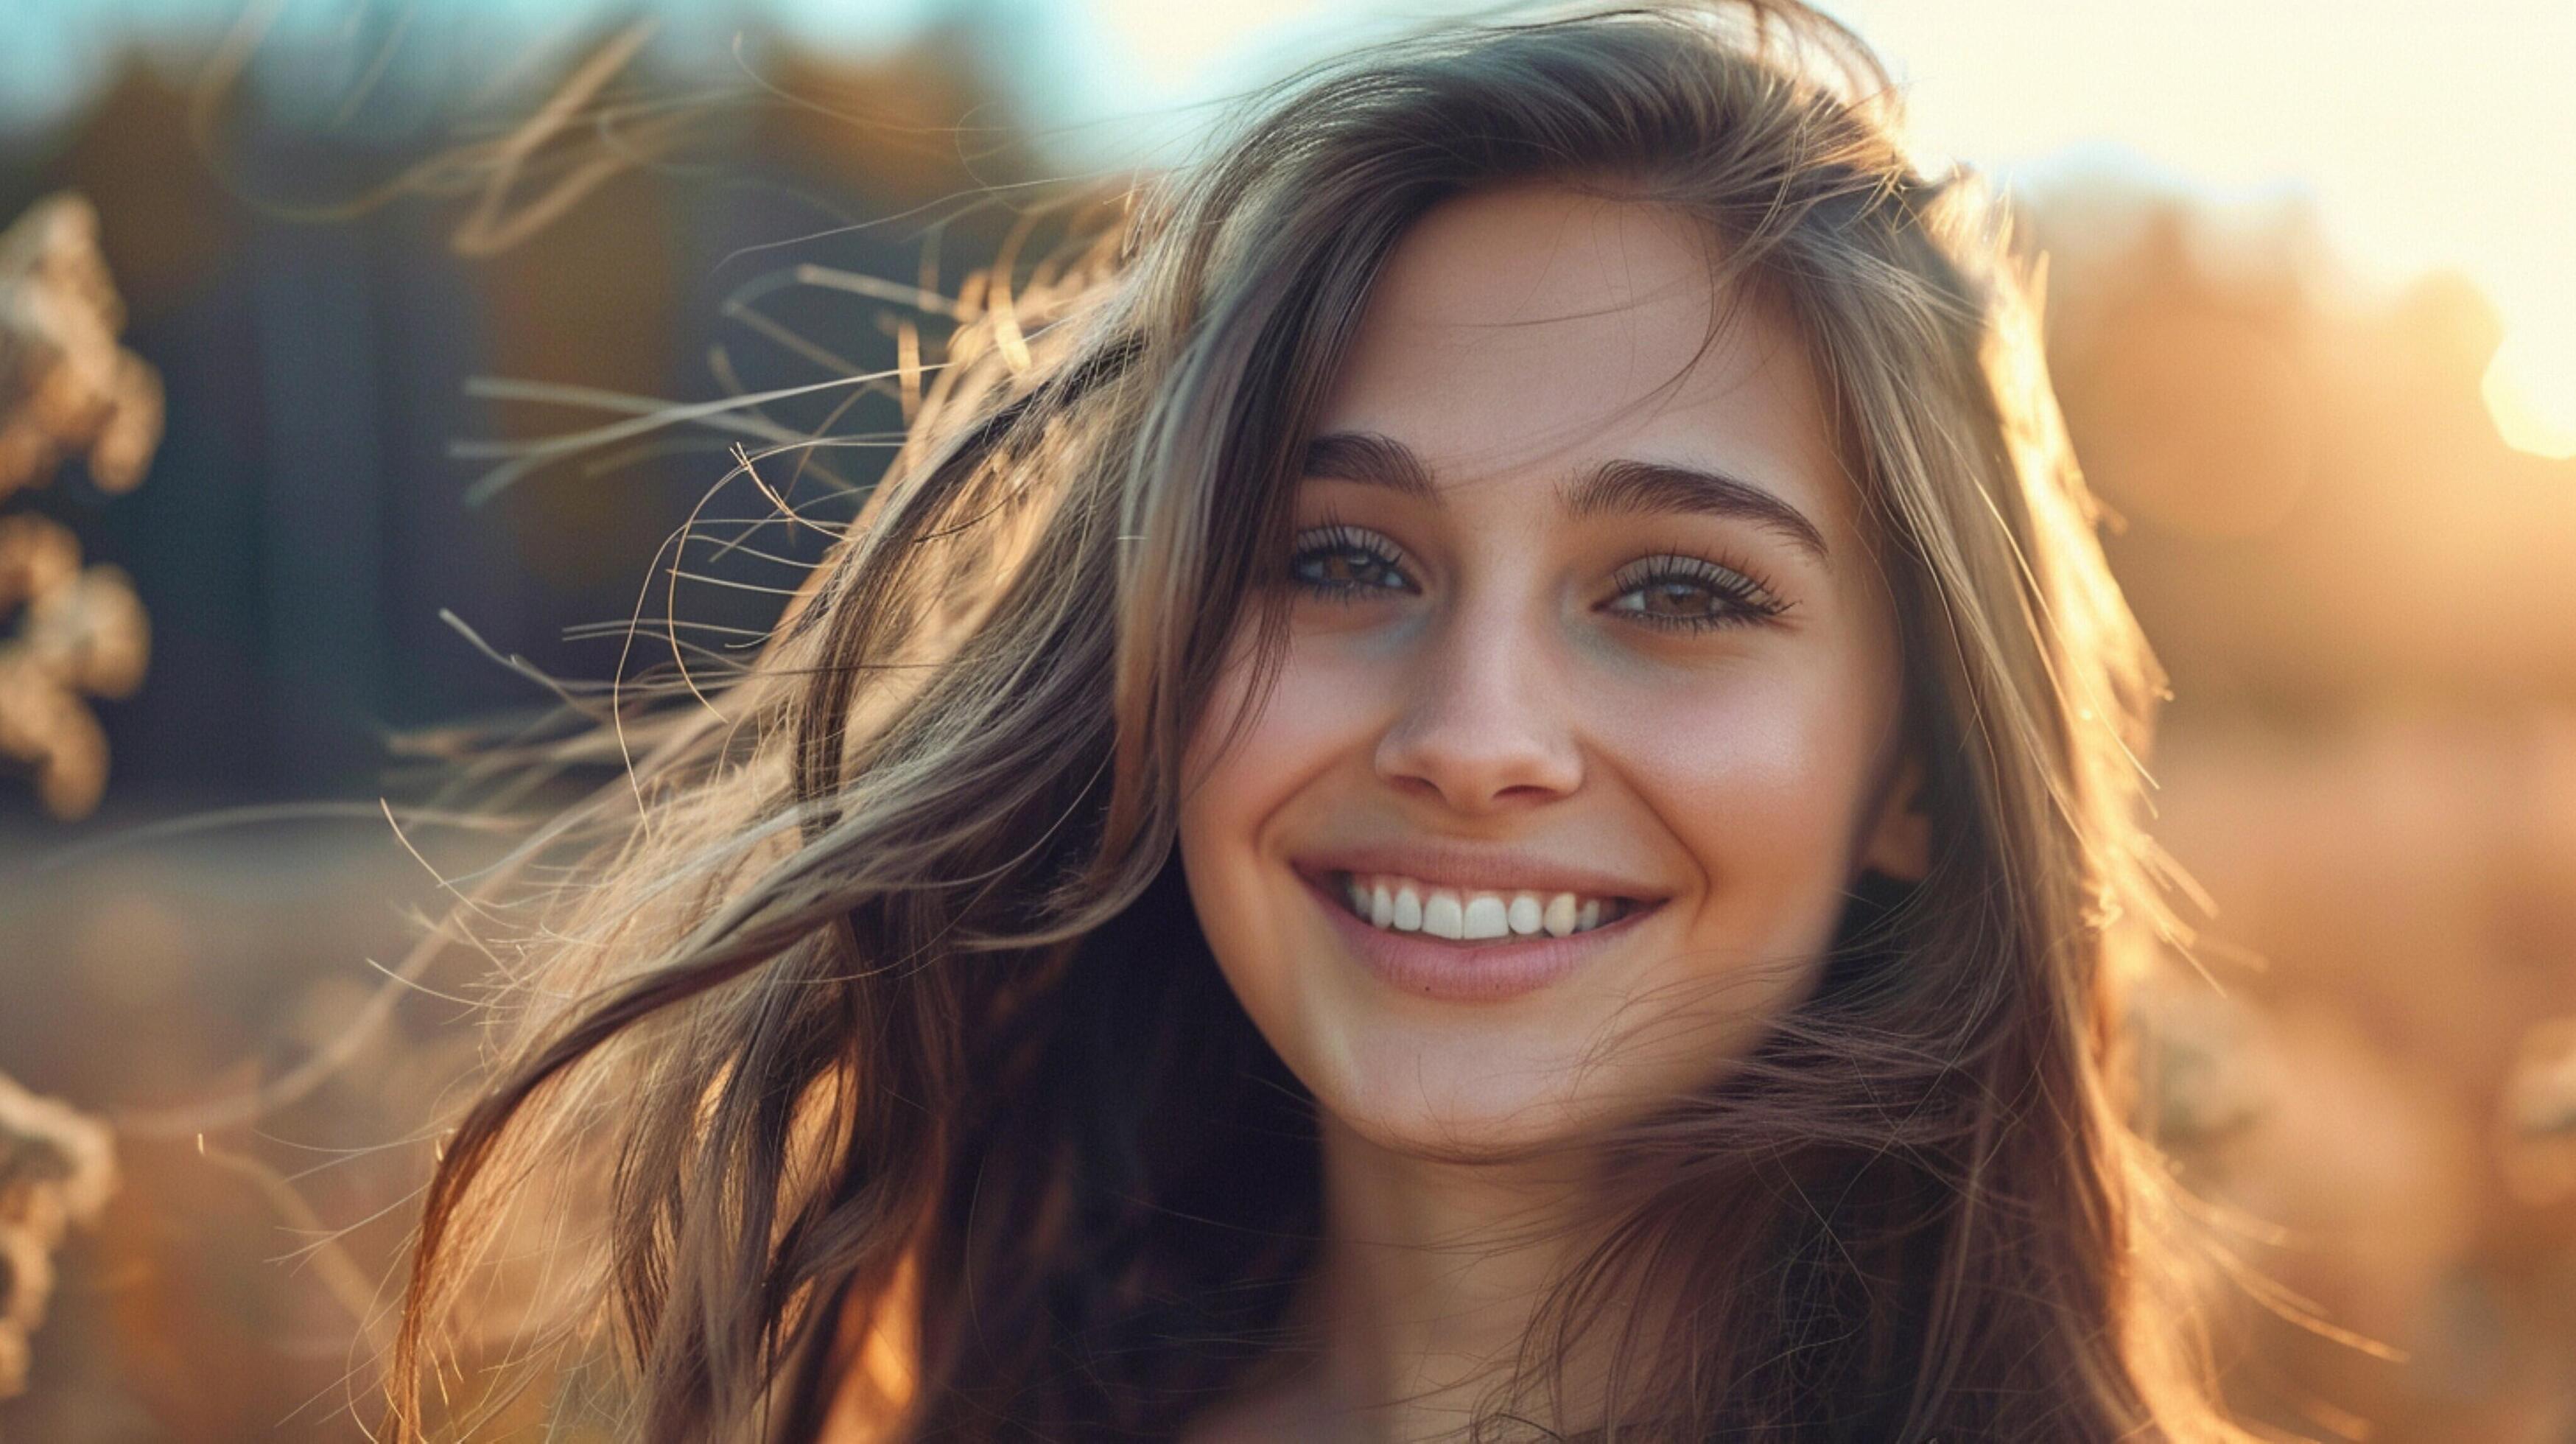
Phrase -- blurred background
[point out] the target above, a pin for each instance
(283, 481)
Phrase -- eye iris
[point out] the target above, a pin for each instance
(1677, 598)
(1346, 567)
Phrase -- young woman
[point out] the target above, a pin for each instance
(1478, 784)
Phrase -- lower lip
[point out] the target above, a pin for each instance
(1484, 971)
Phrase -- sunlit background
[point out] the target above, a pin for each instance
(277, 500)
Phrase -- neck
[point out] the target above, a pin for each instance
(1431, 1275)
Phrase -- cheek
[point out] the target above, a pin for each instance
(1762, 779)
(1316, 706)
(1248, 758)
(1241, 800)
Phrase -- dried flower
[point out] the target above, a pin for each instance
(66, 389)
(80, 634)
(57, 1169)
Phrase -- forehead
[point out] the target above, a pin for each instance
(1520, 333)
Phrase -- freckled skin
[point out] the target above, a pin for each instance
(1511, 694)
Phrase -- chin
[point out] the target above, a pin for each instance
(1469, 1088)
(1459, 1119)
(1467, 1083)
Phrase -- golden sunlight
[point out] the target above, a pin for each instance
(2531, 392)
(2424, 144)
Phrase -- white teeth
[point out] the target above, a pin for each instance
(1443, 916)
(1560, 914)
(1407, 906)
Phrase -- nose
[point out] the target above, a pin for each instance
(1486, 724)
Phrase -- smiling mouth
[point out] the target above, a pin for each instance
(1397, 904)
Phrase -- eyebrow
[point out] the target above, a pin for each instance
(1614, 486)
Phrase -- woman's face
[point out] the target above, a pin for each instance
(1589, 711)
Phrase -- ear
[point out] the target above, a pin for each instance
(1900, 839)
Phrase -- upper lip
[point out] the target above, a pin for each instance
(1473, 868)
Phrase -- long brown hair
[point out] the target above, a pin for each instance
(869, 1062)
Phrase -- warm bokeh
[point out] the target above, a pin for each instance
(2362, 583)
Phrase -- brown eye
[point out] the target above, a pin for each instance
(1689, 594)
(1341, 561)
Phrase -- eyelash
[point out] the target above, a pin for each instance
(1746, 601)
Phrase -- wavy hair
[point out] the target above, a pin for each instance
(868, 1072)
